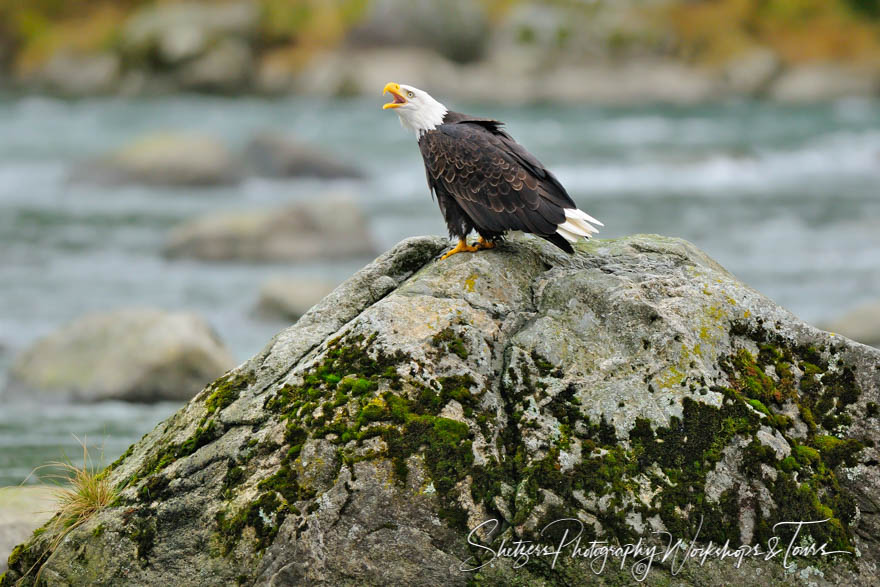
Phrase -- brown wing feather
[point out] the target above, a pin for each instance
(494, 180)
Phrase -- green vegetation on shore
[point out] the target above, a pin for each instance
(797, 30)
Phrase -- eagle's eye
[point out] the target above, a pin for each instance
(410, 95)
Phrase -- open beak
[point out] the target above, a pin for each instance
(399, 100)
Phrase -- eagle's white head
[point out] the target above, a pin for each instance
(418, 111)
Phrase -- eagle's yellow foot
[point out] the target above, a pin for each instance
(461, 247)
(484, 244)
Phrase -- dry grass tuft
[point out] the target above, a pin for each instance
(80, 492)
(85, 492)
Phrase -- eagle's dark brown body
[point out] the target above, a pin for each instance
(486, 181)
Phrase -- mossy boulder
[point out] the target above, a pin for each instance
(635, 386)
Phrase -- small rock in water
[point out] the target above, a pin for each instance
(274, 155)
(163, 159)
(137, 354)
(861, 324)
(22, 510)
(327, 228)
(290, 297)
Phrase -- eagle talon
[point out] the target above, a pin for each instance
(461, 247)
(484, 244)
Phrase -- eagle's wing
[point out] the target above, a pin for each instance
(499, 184)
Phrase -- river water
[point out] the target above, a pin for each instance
(785, 197)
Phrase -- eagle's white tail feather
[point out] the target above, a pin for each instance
(580, 215)
(577, 225)
(578, 228)
(582, 224)
(569, 236)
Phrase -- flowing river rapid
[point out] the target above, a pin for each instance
(785, 197)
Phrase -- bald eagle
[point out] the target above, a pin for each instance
(484, 180)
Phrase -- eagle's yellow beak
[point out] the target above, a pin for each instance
(399, 100)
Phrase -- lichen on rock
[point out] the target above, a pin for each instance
(635, 386)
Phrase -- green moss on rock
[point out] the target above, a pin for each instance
(836, 451)
(458, 388)
(154, 488)
(121, 458)
(450, 342)
(15, 555)
(545, 367)
(204, 435)
(806, 455)
(285, 482)
(144, 537)
(805, 486)
(352, 370)
(234, 477)
(265, 515)
(686, 450)
(226, 390)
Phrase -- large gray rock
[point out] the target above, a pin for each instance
(225, 68)
(328, 228)
(457, 29)
(73, 74)
(830, 81)
(861, 323)
(634, 386)
(274, 155)
(133, 354)
(752, 73)
(176, 32)
(22, 510)
(163, 159)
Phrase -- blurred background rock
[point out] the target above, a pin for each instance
(22, 509)
(189, 157)
(140, 355)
